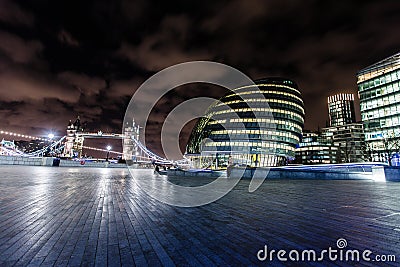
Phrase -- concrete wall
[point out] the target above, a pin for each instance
(376, 173)
(392, 174)
(367, 172)
(90, 164)
(198, 173)
(276, 173)
(15, 160)
(48, 161)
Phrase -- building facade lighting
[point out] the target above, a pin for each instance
(264, 133)
(341, 109)
(379, 92)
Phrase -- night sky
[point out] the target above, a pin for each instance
(59, 59)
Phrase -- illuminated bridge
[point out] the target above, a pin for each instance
(72, 144)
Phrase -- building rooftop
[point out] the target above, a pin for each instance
(386, 65)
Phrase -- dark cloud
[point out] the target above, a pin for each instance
(63, 58)
(34, 117)
(18, 49)
(85, 84)
(165, 47)
(13, 14)
(66, 38)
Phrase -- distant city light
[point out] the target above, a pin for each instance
(24, 136)
(50, 136)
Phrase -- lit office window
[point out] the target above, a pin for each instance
(252, 126)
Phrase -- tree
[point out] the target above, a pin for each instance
(391, 146)
(344, 151)
(367, 152)
(389, 142)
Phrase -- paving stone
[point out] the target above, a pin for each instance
(98, 217)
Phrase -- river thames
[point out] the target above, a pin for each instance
(97, 216)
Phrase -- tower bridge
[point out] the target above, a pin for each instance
(76, 136)
(72, 144)
(134, 150)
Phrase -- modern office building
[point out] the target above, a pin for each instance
(379, 92)
(341, 109)
(256, 125)
(342, 142)
(313, 149)
(349, 141)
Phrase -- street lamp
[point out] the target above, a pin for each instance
(50, 140)
(50, 136)
(108, 152)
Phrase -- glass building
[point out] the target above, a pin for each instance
(255, 125)
(379, 92)
(341, 109)
(314, 149)
(344, 132)
(349, 140)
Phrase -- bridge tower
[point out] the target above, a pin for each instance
(69, 143)
(130, 148)
(74, 142)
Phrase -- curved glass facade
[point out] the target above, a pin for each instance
(255, 125)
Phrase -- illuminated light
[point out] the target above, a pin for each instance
(267, 100)
(279, 124)
(268, 85)
(379, 91)
(269, 110)
(267, 92)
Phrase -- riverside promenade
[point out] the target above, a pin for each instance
(98, 217)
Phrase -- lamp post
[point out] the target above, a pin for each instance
(108, 152)
(50, 136)
(50, 140)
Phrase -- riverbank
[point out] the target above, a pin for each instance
(356, 171)
(51, 161)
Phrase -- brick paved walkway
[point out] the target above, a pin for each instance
(85, 217)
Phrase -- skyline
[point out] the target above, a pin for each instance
(60, 60)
